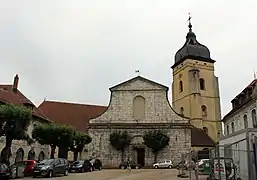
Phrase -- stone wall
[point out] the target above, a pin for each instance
(26, 148)
(180, 142)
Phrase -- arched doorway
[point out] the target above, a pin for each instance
(41, 156)
(31, 154)
(138, 149)
(19, 155)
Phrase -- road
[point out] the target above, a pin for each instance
(141, 174)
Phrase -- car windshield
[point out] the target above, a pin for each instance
(3, 167)
(46, 162)
(77, 162)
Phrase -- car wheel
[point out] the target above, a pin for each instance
(66, 172)
(137, 167)
(122, 167)
(169, 166)
(100, 168)
(50, 174)
(82, 170)
(156, 167)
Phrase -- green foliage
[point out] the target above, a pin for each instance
(80, 139)
(14, 122)
(120, 140)
(156, 140)
(54, 135)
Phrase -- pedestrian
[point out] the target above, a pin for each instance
(129, 166)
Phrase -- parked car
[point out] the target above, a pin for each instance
(81, 166)
(201, 161)
(4, 172)
(163, 164)
(27, 164)
(97, 164)
(133, 165)
(51, 167)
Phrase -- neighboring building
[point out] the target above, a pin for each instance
(195, 88)
(241, 118)
(20, 149)
(139, 105)
(76, 115)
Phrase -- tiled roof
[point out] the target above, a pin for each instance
(17, 98)
(201, 139)
(76, 115)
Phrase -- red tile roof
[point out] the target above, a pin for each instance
(76, 115)
(17, 98)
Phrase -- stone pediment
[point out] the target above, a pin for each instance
(139, 83)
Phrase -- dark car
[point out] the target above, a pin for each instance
(81, 166)
(51, 167)
(4, 172)
(133, 165)
(97, 164)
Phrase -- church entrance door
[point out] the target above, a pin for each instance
(140, 156)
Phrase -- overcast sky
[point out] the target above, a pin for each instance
(75, 50)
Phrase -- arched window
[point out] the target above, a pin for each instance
(204, 111)
(180, 86)
(182, 110)
(205, 129)
(254, 118)
(202, 84)
(232, 127)
(139, 107)
(245, 121)
(227, 129)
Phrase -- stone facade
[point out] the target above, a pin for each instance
(138, 105)
(21, 150)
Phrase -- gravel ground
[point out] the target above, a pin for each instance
(141, 174)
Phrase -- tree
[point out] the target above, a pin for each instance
(156, 140)
(14, 123)
(120, 140)
(54, 135)
(80, 139)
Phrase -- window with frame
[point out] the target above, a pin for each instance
(227, 126)
(202, 84)
(245, 121)
(180, 86)
(204, 111)
(182, 110)
(254, 118)
(232, 127)
(228, 151)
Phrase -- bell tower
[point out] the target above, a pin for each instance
(195, 88)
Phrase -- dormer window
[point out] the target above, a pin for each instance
(28, 105)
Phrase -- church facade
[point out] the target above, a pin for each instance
(139, 105)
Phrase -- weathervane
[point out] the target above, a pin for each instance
(137, 72)
(189, 21)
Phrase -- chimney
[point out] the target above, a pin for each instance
(15, 83)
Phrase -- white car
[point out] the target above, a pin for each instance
(163, 164)
(201, 161)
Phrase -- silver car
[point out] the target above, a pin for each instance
(163, 164)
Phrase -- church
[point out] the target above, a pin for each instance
(139, 104)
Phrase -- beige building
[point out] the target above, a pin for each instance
(139, 105)
(20, 150)
(195, 88)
